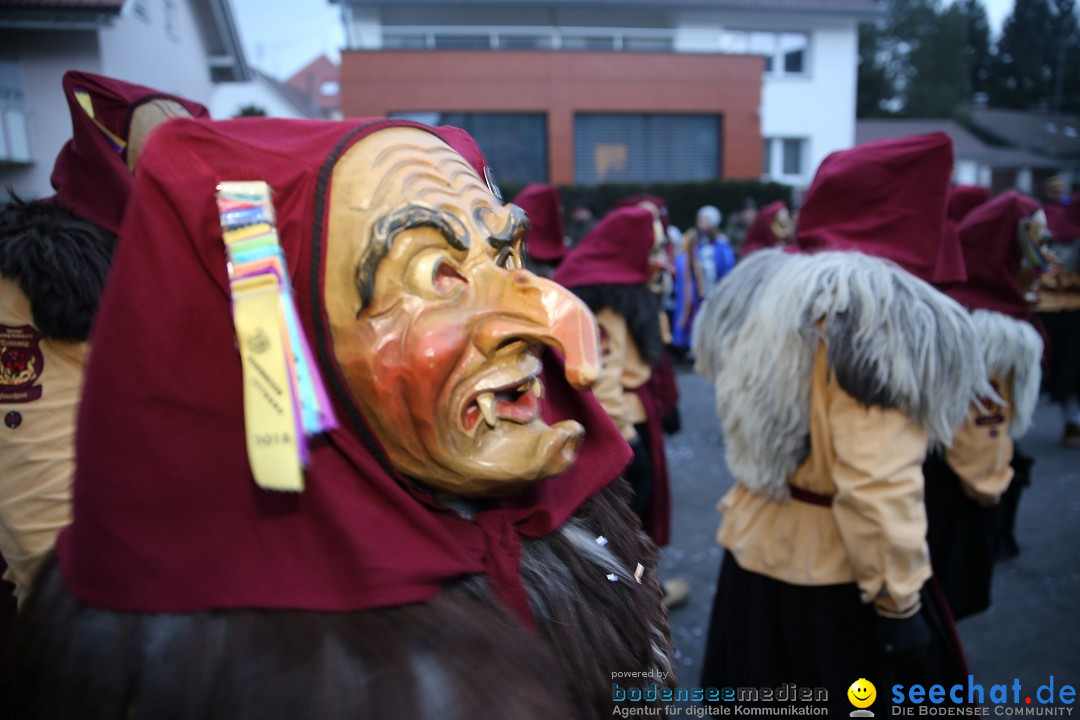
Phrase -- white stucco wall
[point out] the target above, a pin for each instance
(42, 62)
(966, 172)
(134, 49)
(817, 106)
(820, 105)
(142, 51)
(363, 27)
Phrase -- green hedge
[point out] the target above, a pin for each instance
(683, 199)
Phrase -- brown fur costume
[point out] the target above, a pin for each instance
(447, 658)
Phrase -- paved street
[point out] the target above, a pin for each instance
(1033, 629)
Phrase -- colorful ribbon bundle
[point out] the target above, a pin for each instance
(1033, 255)
(285, 400)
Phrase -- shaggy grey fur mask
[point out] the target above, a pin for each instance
(892, 340)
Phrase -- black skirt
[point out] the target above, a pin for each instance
(1008, 545)
(1062, 371)
(963, 538)
(767, 633)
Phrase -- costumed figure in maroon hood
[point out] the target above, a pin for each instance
(967, 482)
(661, 259)
(610, 270)
(660, 393)
(335, 454)
(772, 227)
(834, 368)
(1056, 295)
(54, 256)
(662, 384)
(962, 200)
(545, 242)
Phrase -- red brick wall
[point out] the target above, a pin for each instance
(562, 83)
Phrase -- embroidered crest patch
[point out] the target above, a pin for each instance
(21, 363)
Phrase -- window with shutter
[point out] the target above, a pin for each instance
(515, 144)
(626, 147)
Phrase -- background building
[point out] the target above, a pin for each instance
(319, 81)
(977, 162)
(178, 46)
(263, 93)
(1053, 137)
(603, 91)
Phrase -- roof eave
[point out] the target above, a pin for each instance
(57, 18)
(232, 65)
(861, 14)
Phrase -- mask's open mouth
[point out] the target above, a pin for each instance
(517, 402)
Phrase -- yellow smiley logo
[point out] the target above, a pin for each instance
(862, 693)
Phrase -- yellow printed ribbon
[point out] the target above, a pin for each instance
(285, 399)
(269, 413)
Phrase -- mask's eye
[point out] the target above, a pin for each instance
(508, 260)
(446, 278)
(433, 274)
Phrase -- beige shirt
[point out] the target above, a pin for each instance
(37, 438)
(869, 460)
(981, 452)
(622, 371)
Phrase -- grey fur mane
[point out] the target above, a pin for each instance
(1012, 346)
(724, 312)
(892, 340)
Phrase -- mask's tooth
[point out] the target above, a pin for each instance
(486, 402)
(538, 387)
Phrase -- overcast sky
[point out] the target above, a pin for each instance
(282, 36)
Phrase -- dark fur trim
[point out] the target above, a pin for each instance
(596, 626)
(638, 305)
(60, 261)
(461, 655)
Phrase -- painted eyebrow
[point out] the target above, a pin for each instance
(510, 237)
(512, 234)
(386, 229)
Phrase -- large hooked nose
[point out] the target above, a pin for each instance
(532, 309)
